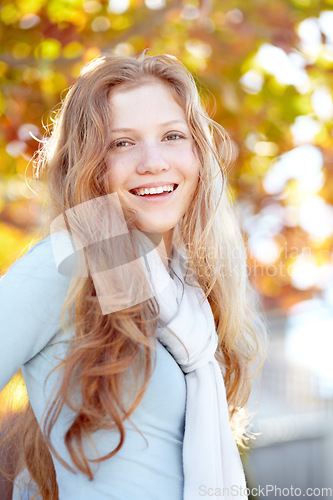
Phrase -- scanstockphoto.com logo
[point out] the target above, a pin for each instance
(93, 239)
(269, 490)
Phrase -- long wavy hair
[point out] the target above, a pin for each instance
(107, 346)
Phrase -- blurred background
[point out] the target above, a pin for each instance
(265, 72)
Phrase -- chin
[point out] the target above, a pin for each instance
(155, 226)
(154, 229)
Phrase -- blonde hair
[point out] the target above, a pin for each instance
(105, 347)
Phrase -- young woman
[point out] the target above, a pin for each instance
(133, 319)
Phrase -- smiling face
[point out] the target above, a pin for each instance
(151, 145)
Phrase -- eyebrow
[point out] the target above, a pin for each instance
(180, 120)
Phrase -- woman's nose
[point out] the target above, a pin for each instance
(152, 159)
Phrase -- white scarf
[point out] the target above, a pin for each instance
(211, 461)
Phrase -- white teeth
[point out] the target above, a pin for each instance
(156, 190)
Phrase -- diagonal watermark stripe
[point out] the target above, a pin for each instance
(93, 239)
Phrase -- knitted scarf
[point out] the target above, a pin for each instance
(211, 460)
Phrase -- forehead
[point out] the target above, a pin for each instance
(151, 101)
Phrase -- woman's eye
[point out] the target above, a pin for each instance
(173, 137)
(120, 144)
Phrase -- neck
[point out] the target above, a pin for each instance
(165, 248)
(167, 239)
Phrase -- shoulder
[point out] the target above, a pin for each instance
(35, 275)
(43, 259)
(39, 255)
(32, 295)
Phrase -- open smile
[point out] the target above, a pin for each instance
(155, 197)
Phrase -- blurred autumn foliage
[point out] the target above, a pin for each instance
(265, 72)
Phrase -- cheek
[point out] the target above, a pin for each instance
(190, 166)
(187, 156)
(115, 173)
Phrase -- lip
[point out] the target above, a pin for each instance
(155, 184)
(157, 198)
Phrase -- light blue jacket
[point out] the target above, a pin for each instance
(31, 299)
